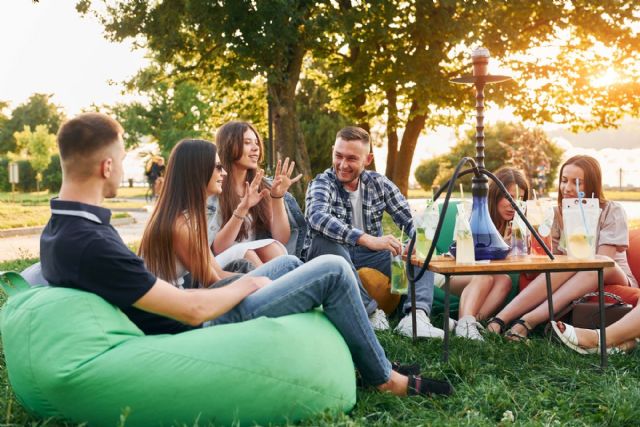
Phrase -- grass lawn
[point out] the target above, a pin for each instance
(497, 383)
(32, 209)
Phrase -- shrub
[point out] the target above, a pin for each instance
(427, 172)
(52, 176)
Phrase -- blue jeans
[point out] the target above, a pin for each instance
(359, 256)
(328, 282)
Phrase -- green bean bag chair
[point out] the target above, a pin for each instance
(72, 355)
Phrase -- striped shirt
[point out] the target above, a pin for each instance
(329, 213)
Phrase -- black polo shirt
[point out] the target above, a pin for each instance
(80, 249)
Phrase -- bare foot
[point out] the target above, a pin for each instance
(397, 384)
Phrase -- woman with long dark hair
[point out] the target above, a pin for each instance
(175, 241)
(249, 206)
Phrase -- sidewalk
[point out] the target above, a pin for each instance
(29, 246)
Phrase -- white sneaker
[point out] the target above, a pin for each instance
(379, 320)
(424, 327)
(468, 327)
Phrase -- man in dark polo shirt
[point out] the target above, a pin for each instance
(80, 249)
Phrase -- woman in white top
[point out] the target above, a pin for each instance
(529, 308)
(249, 205)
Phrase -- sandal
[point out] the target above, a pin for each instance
(499, 322)
(569, 338)
(419, 386)
(515, 336)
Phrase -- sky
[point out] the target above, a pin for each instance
(49, 48)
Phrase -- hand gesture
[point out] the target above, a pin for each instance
(282, 179)
(252, 195)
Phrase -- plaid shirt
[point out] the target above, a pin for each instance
(328, 208)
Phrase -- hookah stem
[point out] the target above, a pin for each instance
(514, 205)
(450, 187)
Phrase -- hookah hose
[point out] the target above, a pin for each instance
(450, 188)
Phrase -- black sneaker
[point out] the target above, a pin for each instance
(419, 386)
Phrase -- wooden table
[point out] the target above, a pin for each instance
(446, 265)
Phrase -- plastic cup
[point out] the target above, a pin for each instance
(399, 282)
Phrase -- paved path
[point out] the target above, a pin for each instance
(29, 246)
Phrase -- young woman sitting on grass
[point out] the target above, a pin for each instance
(482, 295)
(249, 206)
(529, 308)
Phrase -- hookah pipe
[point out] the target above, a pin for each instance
(480, 77)
(449, 185)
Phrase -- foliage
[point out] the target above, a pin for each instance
(427, 172)
(36, 147)
(506, 144)
(178, 108)
(319, 123)
(52, 176)
(232, 41)
(394, 59)
(38, 110)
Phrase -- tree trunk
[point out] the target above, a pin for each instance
(412, 130)
(392, 131)
(288, 138)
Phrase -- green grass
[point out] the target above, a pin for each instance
(539, 382)
(32, 209)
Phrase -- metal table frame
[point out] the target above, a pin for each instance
(447, 267)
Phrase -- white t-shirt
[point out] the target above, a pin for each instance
(355, 197)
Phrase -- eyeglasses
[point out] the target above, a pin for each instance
(218, 167)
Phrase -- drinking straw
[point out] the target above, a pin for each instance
(580, 197)
(461, 193)
(535, 196)
(401, 239)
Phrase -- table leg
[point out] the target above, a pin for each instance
(445, 353)
(603, 338)
(547, 276)
(414, 327)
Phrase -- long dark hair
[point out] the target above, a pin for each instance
(184, 192)
(592, 178)
(508, 176)
(230, 143)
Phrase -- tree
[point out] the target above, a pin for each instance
(507, 144)
(37, 147)
(319, 123)
(399, 55)
(235, 41)
(38, 110)
(178, 108)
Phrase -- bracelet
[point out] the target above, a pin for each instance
(274, 197)
(240, 217)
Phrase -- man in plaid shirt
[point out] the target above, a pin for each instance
(344, 207)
